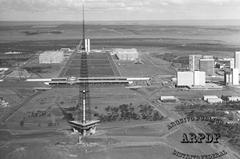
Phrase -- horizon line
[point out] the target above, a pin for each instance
(119, 20)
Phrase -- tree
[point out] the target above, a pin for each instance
(21, 123)
(156, 116)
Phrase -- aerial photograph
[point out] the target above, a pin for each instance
(119, 79)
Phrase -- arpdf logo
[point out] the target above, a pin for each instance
(200, 137)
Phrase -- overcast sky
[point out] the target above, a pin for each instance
(119, 9)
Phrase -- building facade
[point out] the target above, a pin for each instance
(237, 59)
(232, 77)
(50, 57)
(207, 65)
(185, 78)
(235, 76)
(199, 78)
(126, 54)
(194, 62)
(87, 45)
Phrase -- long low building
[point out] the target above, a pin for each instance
(168, 98)
(208, 97)
(212, 99)
(90, 80)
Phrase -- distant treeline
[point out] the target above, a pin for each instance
(35, 32)
(170, 57)
(37, 69)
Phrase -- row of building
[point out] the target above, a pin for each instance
(231, 77)
(53, 57)
(215, 99)
(202, 66)
(207, 63)
(211, 99)
(202, 63)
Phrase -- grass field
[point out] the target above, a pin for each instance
(99, 65)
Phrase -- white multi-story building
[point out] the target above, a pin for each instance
(87, 45)
(232, 77)
(194, 62)
(237, 59)
(235, 76)
(228, 78)
(185, 78)
(49, 57)
(199, 78)
(207, 65)
(126, 54)
(191, 78)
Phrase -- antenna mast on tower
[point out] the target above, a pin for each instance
(83, 26)
(85, 125)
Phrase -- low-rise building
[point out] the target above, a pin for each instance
(2, 70)
(3, 103)
(212, 99)
(126, 54)
(168, 99)
(233, 99)
(206, 97)
(50, 57)
(207, 57)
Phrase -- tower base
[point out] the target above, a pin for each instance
(86, 128)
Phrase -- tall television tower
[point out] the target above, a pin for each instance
(85, 125)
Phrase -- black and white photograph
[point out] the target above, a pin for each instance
(119, 79)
